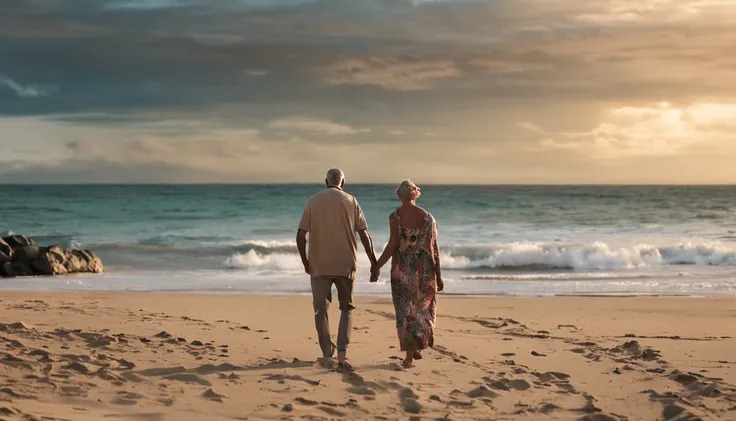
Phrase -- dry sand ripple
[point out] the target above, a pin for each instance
(141, 357)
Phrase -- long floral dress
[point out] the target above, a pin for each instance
(414, 283)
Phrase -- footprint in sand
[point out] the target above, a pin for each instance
(635, 350)
(281, 378)
(410, 405)
(131, 377)
(508, 384)
(188, 378)
(80, 368)
(407, 393)
(73, 391)
(105, 374)
(332, 411)
(551, 376)
(306, 402)
(589, 408)
(166, 371)
(599, 417)
(683, 378)
(5, 410)
(460, 404)
(361, 390)
(126, 398)
(11, 393)
(676, 412)
(12, 343)
(13, 361)
(211, 395)
(231, 377)
(15, 327)
(482, 392)
(125, 364)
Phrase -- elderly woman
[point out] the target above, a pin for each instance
(415, 272)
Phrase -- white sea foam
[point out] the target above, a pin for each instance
(253, 260)
(595, 256)
(269, 244)
(712, 254)
(525, 256)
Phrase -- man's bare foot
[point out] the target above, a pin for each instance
(342, 361)
(326, 362)
(345, 365)
(418, 355)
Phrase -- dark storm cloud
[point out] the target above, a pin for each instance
(97, 55)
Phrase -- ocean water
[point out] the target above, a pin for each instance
(525, 240)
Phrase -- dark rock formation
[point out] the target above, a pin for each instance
(18, 241)
(4, 258)
(20, 256)
(54, 262)
(26, 254)
(5, 250)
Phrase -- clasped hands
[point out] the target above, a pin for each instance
(375, 271)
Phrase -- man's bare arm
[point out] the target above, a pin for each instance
(301, 244)
(365, 238)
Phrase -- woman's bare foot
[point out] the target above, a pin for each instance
(418, 355)
(409, 360)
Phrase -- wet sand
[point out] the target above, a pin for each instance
(72, 356)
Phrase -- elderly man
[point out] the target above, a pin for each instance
(331, 218)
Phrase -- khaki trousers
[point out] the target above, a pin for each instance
(321, 299)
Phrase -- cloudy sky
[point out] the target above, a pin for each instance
(443, 91)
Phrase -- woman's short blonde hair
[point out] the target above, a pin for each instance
(407, 189)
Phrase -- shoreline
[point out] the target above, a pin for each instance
(699, 284)
(457, 295)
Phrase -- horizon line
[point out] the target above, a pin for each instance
(3, 184)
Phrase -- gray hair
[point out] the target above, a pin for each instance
(335, 177)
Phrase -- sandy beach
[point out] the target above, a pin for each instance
(75, 356)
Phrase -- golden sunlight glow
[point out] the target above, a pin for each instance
(660, 129)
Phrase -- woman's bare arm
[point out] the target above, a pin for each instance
(437, 268)
(436, 252)
(393, 244)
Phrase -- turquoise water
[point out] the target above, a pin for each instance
(502, 239)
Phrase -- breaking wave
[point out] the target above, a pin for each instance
(528, 256)
(275, 255)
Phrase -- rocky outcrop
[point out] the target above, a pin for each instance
(20, 256)
(6, 252)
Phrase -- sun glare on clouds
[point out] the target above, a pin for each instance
(657, 130)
